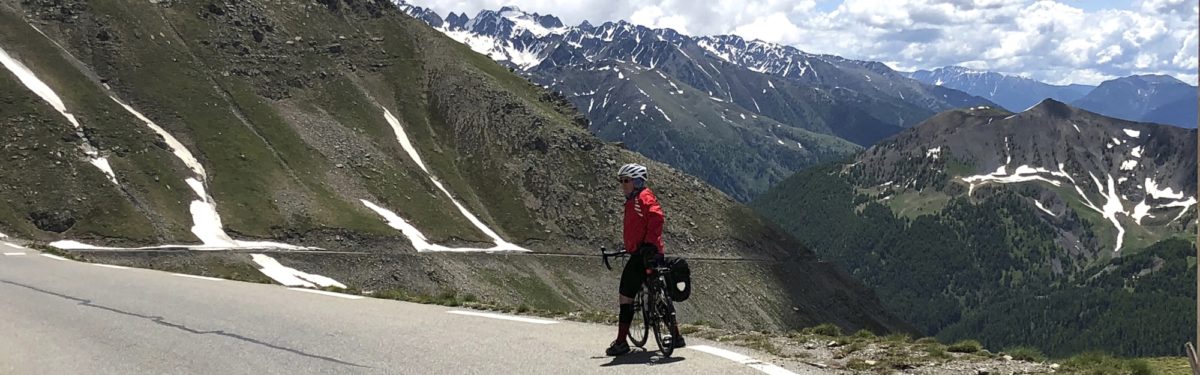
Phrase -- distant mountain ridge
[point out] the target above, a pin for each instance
(765, 110)
(1012, 92)
(1150, 98)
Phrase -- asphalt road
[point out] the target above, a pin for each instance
(65, 317)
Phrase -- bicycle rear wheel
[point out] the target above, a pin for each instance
(666, 320)
(663, 317)
(639, 329)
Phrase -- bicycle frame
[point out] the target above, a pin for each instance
(657, 306)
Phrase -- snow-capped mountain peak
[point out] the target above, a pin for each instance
(511, 22)
(787, 107)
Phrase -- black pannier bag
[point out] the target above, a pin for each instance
(679, 286)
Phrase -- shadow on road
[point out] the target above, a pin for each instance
(640, 357)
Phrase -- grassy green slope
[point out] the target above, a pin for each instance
(153, 203)
(989, 268)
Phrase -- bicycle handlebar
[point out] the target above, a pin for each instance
(605, 255)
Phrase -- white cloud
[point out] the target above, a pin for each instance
(1186, 56)
(1053, 41)
(1174, 7)
(774, 28)
(653, 16)
(1075, 76)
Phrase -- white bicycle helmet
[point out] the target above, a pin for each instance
(632, 171)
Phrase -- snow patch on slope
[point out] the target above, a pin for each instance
(176, 147)
(33, 83)
(495, 48)
(1142, 210)
(290, 276)
(716, 52)
(664, 114)
(207, 224)
(523, 22)
(1023, 173)
(1043, 208)
(1112, 207)
(206, 221)
(418, 239)
(1167, 193)
(406, 144)
(934, 152)
(1155, 192)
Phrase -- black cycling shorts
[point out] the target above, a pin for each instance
(633, 276)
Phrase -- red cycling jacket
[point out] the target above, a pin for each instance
(643, 221)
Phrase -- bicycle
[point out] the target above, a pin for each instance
(654, 304)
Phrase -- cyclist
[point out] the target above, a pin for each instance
(643, 238)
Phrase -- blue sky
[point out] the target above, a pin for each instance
(1056, 41)
(828, 5)
(1092, 5)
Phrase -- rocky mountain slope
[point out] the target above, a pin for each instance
(679, 98)
(1134, 175)
(976, 216)
(349, 126)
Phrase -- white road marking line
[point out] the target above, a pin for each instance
(110, 266)
(331, 294)
(197, 277)
(55, 257)
(743, 359)
(13, 245)
(504, 317)
(10, 254)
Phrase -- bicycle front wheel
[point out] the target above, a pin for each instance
(639, 328)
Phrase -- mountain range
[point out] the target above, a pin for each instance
(741, 114)
(1011, 92)
(1062, 223)
(205, 127)
(1149, 98)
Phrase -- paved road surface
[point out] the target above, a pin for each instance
(66, 317)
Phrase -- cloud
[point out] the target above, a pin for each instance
(774, 28)
(1049, 40)
(917, 35)
(1173, 7)
(653, 16)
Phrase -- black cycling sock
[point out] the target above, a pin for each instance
(626, 315)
